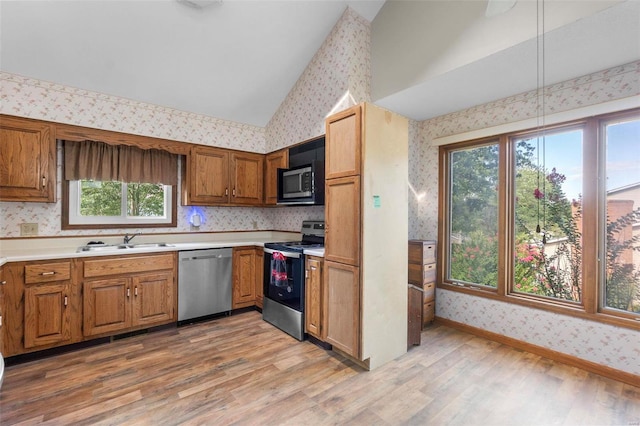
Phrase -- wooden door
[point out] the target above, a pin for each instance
(342, 220)
(27, 160)
(274, 161)
(247, 172)
(259, 278)
(341, 310)
(47, 317)
(209, 176)
(343, 143)
(244, 281)
(107, 306)
(152, 299)
(313, 297)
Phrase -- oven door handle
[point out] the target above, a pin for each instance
(291, 254)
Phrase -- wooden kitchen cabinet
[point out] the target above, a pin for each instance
(313, 297)
(47, 296)
(244, 277)
(366, 223)
(341, 307)
(342, 220)
(214, 176)
(27, 160)
(128, 292)
(259, 278)
(273, 161)
(3, 283)
(41, 306)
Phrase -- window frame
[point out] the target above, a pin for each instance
(592, 305)
(69, 203)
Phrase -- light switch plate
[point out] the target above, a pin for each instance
(28, 229)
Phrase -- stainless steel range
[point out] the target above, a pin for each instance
(284, 279)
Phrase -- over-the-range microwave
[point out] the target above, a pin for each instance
(302, 185)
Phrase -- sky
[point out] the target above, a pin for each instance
(564, 152)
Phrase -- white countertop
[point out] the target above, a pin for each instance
(61, 248)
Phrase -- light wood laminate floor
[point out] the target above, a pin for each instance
(241, 370)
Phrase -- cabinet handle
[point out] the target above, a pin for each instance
(44, 181)
(128, 292)
(226, 191)
(306, 273)
(234, 192)
(135, 291)
(313, 268)
(3, 282)
(48, 273)
(66, 301)
(0, 320)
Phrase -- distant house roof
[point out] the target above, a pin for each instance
(624, 188)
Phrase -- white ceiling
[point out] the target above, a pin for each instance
(238, 59)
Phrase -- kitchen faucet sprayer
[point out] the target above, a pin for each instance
(128, 238)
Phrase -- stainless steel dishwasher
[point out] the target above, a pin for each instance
(204, 283)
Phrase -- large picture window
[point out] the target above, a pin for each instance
(547, 218)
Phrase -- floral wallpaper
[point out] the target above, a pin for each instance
(604, 344)
(337, 77)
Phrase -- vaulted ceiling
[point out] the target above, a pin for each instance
(237, 60)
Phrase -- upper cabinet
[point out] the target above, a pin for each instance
(274, 161)
(27, 160)
(343, 140)
(214, 176)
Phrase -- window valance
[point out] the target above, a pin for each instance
(103, 162)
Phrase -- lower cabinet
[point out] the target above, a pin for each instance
(245, 270)
(313, 297)
(128, 293)
(341, 309)
(259, 278)
(3, 283)
(48, 297)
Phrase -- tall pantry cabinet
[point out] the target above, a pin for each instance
(366, 218)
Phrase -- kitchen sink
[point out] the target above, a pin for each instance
(116, 247)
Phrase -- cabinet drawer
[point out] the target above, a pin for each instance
(127, 265)
(420, 274)
(429, 292)
(428, 313)
(422, 251)
(47, 272)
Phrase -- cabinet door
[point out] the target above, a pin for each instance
(273, 161)
(3, 318)
(244, 277)
(342, 220)
(27, 160)
(313, 297)
(46, 314)
(209, 176)
(259, 278)
(153, 299)
(341, 310)
(247, 171)
(106, 306)
(343, 143)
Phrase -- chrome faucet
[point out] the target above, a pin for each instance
(128, 238)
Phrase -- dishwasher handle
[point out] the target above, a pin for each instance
(210, 256)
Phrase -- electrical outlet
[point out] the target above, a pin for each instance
(28, 229)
